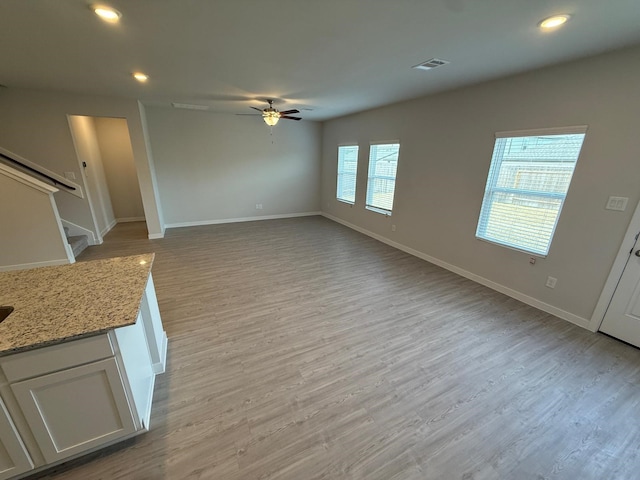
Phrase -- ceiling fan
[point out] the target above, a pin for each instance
(271, 115)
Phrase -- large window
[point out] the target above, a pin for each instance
(383, 164)
(347, 171)
(528, 181)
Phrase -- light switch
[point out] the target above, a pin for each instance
(617, 203)
(69, 175)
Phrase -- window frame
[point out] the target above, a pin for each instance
(338, 174)
(492, 178)
(367, 205)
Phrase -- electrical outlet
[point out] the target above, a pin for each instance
(258, 206)
(393, 228)
(551, 282)
(532, 260)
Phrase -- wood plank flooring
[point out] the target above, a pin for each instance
(300, 349)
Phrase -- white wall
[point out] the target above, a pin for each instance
(119, 167)
(31, 235)
(213, 167)
(446, 144)
(35, 126)
(86, 142)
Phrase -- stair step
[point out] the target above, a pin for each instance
(78, 243)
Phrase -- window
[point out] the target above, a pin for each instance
(383, 164)
(528, 181)
(347, 170)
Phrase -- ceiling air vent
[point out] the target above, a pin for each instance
(189, 106)
(430, 64)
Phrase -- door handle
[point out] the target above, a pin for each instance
(637, 253)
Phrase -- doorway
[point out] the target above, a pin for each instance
(105, 154)
(617, 312)
(622, 318)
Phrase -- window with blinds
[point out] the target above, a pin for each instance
(347, 171)
(383, 165)
(527, 184)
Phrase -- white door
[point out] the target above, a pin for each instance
(622, 319)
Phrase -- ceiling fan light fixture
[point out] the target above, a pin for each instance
(271, 118)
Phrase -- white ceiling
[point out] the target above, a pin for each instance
(332, 56)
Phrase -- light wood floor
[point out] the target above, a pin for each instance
(302, 350)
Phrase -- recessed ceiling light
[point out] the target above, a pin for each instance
(106, 13)
(141, 77)
(555, 21)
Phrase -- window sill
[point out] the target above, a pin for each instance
(346, 201)
(381, 211)
(513, 247)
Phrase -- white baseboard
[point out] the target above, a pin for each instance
(25, 266)
(108, 228)
(130, 219)
(534, 302)
(156, 236)
(242, 219)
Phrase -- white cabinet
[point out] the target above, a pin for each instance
(60, 401)
(77, 409)
(14, 458)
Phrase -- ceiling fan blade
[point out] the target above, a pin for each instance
(258, 109)
(292, 118)
(288, 112)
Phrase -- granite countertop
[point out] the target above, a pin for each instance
(56, 304)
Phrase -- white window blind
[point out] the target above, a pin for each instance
(347, 172)
(527, 184)
(383, 165)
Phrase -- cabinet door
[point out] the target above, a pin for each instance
(14, 458)
(74, 410)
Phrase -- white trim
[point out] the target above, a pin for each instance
(27, 180)
(78, 230)
(83, 175)
(155, 236)
(25, 266)
(383, 142)
(545, 307)
(544, 131)
(160, 367)
(78, 189)
(381, 211)
(108, 228)
(237, 220)
(63, 238)
(130, 219)
(616, 271)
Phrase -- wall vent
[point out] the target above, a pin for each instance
(189, 106)
(431, 64)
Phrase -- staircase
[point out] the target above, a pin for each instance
(78, 242)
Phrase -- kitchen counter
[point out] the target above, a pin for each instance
(56, 304)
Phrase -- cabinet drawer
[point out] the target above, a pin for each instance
(56, 357)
